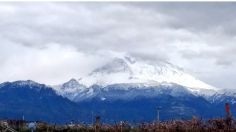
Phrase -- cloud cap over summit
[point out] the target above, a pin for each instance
(52, 42)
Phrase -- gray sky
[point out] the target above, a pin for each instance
(53, 42)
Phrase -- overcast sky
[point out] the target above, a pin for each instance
(53, 42)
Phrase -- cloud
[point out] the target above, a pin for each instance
(51, 42)
(53, 64)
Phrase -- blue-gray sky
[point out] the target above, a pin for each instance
(53, 42)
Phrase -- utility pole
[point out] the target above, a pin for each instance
(97, 124)
(92, 118)
(158, 114)
(228, 115)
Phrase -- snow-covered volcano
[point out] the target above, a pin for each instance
(122, 89)
(126, 72)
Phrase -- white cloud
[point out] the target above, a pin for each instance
(53, 42)
(52, 65)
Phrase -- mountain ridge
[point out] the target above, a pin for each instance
(123, 89)
(36, 102)
(128, 71)
(40, 102)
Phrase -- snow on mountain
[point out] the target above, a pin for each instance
(122, 101)
(28, 83)
(128, 70)
(70, 89)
